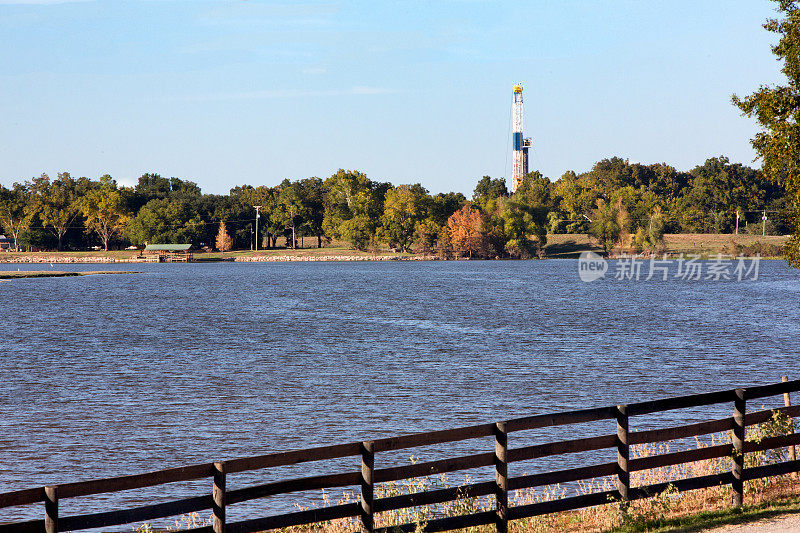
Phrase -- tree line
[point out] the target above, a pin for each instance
(777, 110)
(622, 204)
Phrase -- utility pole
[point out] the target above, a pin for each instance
(737, 222)
(764, 223)
(294, 239)
(257, 207)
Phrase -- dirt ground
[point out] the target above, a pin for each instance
(781, 524)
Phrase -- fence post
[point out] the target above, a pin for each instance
(367, 486)
(501, 476)
(788, 403)
(737, 464)
(218, 507)
(623, 453)
(51, 509)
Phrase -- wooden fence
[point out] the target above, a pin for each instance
(220, 498)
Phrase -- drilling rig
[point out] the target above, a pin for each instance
(520, 144)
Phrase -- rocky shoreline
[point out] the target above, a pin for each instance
(62, 259)
(57, 273)
(240, 259)
(313, 258)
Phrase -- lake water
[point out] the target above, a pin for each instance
(180, 364)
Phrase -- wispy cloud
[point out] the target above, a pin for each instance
(40, 2)
(314, 70)
(358, 90)
(242, 46)
(293, 14)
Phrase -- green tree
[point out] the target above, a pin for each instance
(555, 222)
(358, 231)
(152, 186)
(666, 182)
(716, 191)
(367, 207)
(300, 209)
(426, 234)
(353, 207)
(184, 188)
(291, 210)
(777, 109)
(15, 216)
(573, 200)
(605, 225)
(312, 192)
(534, 191)
(55, 203)
(272, 217)
(525, 216)
(165, 221)
(654, 236)
(339, 199)
(443, 205)
(243, 198)
(520, 223)
(405, 206)
(489, 189)
(105, 210)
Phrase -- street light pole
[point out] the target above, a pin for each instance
(257, 207)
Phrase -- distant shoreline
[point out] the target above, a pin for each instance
(38, 259)
(560, 246)
(56, 273)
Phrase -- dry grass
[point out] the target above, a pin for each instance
(705, 244)
(655, 513)
(660, 508)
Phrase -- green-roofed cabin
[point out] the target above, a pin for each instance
(169, 253)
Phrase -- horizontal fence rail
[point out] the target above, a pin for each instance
(368, 476)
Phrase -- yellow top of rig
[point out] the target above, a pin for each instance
(518, 88)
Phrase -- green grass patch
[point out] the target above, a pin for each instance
(717, 518)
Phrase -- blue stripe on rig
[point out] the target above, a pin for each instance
(517, 140)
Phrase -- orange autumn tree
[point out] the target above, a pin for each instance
(224, 241)
(467, 231)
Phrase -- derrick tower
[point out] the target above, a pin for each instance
(520, 145)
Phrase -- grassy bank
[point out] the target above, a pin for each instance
(558, 246)
(704, 244)
(782, 504)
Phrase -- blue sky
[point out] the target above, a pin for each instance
(245, 91)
